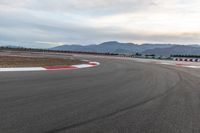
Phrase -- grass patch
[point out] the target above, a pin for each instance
(14, 61)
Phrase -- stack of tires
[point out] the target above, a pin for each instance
(187, 59)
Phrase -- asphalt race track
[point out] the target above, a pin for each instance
(119, 96)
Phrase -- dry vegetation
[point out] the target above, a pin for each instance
(13, 61)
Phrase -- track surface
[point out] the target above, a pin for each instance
(119, 96)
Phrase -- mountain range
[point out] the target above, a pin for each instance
(131, 48)
(175, 50)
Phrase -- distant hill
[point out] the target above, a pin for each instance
(175, 50)
(113, 47)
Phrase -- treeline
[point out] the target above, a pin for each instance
(53, 51)
(186, 56)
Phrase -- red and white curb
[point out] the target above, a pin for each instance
(194, 65)
(47, 68)
(176, 64)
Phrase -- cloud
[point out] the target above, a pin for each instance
(94, 7)
(86, 21)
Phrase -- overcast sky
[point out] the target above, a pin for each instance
(56, 22)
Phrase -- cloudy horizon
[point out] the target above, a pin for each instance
(51, 22)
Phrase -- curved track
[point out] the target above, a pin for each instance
(119, 96)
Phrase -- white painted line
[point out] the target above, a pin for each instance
(97, 63)
(192, 66)
(83, 66)
(22, 69)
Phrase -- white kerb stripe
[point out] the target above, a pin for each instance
(193, 66)
(22, 69)
(97, 63)
(83, 66)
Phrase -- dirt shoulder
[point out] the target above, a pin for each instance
(17, 61)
